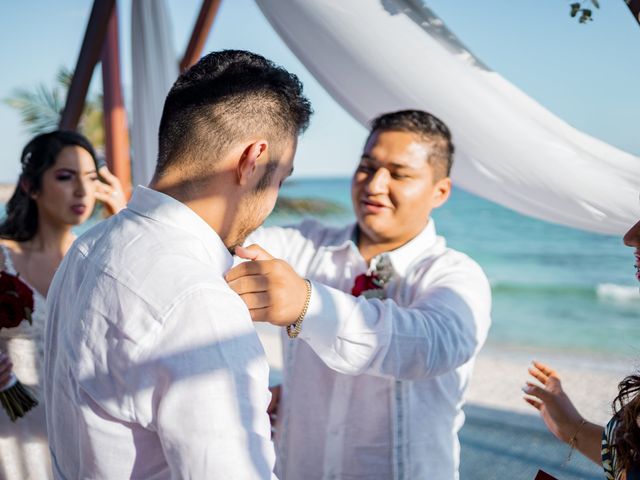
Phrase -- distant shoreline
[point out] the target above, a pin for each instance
(6, 190)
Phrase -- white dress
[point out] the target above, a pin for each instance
(24, 451)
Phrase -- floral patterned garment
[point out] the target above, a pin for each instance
(612, 470)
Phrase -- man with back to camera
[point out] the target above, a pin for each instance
(153, 367)
(374, 384)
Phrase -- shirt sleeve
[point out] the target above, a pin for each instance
(440, 329)
(208, 392)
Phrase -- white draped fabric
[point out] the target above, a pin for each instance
(375, 56)
(155, 68)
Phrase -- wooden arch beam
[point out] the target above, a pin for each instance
(201, 30)
(634, 6)
(116, 138)
(92, 45)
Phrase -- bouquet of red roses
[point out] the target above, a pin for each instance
(16, 305)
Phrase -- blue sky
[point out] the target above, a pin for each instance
(586, 74)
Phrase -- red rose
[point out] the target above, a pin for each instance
(364, 282)
(16, 301)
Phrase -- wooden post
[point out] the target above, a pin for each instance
(115, 115)
(200, 32)
(634, 6)
(89, 54)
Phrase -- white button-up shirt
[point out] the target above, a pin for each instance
(373, 389)
(153, 366)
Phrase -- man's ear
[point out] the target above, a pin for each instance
(441, 192)
(253, 154)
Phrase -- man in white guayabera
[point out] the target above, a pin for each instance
(153, 367)
(374, 384)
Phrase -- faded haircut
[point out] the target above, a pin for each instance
(225, 98)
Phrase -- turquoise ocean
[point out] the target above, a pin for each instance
(554, 288)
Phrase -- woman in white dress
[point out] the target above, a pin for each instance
(57, 190)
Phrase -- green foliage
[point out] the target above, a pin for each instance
(585, 13)
(575, 8)
(306, 206)
(40, 108)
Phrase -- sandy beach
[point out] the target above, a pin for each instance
(6, 190)
(503, 436)
(500, 373)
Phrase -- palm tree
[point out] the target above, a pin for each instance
(40, 108)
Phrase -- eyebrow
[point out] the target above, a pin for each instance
(71, 170)
(397, 166)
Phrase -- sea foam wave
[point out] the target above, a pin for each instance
(620, 293)
(603, 291)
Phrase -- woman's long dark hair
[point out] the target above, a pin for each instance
(626, 407)
(37, 157)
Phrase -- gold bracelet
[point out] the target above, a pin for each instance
(572, 442)
(293, 330)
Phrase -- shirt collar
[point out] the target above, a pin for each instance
(401, 258)
(169, 211)
(345, 239)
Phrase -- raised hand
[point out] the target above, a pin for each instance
(555, 407)
(109, 191)
(270, 288)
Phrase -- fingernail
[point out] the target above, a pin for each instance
(526, 389)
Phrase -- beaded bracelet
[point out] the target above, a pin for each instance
(294, 330)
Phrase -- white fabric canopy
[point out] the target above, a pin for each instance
(155, 68)
(376, 56)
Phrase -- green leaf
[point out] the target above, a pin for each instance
(596, 3)
(586, 16)
(575, 8)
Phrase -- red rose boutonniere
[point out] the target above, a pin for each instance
(16, 305)
(372, 283)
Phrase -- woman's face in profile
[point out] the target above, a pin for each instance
(67, 191)
(632, 239)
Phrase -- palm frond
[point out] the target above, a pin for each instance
(40, 109)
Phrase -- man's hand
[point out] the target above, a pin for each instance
(272, 290)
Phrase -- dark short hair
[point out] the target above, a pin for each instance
(223, 98)
(38, 156)
(428, 126)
